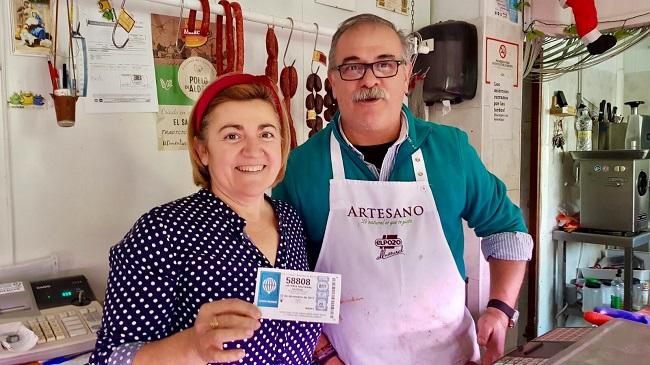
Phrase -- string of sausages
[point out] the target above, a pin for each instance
(234, 57)
(314, 103)
(331, 106)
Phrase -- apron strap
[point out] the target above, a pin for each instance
(419, 169)
(337, 160)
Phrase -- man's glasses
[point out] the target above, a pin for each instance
(381, 69)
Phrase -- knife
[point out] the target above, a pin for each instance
(601, 111)
(609, 111)
(614, 109)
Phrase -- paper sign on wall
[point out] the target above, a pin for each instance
(502, 77)
(181, 75)
(501, 61)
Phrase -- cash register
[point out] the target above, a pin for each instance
(63, 313)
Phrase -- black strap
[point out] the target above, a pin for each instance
(503, 307)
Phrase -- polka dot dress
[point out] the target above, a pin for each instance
(186, 253)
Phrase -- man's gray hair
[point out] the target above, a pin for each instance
(367, 19)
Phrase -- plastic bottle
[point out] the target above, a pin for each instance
(617, 291)
(583, 131)
(606, 290)
(637, 290)
(591, 295)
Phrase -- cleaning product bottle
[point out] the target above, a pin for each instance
(583, 130)
(617, 291)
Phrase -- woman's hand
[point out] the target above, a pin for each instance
(223, 321)
(217, 322)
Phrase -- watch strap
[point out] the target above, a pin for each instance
(502, 306)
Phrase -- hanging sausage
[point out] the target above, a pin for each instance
(234, 56)
(271, 69)
(239, 33)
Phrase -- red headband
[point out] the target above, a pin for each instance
(226, 81)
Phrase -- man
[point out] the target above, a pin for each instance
(383, 196)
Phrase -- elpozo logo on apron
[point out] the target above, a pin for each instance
(389, 245)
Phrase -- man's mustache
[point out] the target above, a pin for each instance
(370, 94)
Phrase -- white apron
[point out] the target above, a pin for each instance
(402, 300)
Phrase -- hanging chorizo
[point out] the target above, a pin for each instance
(239, 29)
(271, 69)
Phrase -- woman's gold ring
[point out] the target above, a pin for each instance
(214, 323)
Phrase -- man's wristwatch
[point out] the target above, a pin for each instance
(513, 314)
(323, 355)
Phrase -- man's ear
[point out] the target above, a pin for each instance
(201, 151)
(408, 67)
(330, 77)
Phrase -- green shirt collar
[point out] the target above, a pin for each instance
(414, 136)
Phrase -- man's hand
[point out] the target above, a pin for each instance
(492, 327)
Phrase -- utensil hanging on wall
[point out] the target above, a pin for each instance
(125, 21)
(65, 99)
(288, 87)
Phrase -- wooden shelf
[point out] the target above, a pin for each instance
(565, 111)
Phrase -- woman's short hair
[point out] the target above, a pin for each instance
(239, 92)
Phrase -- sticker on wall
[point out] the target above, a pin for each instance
(397, 6)
(194, 74)
(504, 9)
(26, 99)
(31, 27)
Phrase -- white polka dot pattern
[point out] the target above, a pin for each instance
(186, 253)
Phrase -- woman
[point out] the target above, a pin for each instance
(182, 281)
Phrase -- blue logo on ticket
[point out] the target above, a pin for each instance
(268, 293)
(298, 295)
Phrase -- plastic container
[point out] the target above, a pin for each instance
(592, 295)
(617, 292)
(637, 289)
(606, 290)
